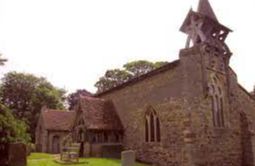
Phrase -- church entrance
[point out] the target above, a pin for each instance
(55, 144)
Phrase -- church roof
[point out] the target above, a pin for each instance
(99, 114)
(205, 9)
(57, 119)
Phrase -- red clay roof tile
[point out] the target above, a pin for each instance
(58, 119)
(99, 114)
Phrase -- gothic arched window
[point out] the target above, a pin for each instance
(146, 130)
(158, 129)
(152, 126)
(217, 101)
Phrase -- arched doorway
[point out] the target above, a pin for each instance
(55, 144)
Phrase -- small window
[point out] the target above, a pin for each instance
(221, 112)
(146, 130)
(213, 110)
(152, 126)
(217, 103)
(158, 130)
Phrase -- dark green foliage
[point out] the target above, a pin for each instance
(112, 78)
(26, 94)
(73, 98)
(12, 129)
(159, 64)
(115, 77)
(138, 68)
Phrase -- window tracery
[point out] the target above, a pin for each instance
(217, 100)
(152, 126)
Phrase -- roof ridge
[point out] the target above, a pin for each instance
(165, 67)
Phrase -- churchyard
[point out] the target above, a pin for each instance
(188, 112)
(44, 159)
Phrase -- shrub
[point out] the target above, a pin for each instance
(11, 129)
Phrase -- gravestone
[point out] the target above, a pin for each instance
(17, 154)
(86, 149)
(3, 154)
(128, 158)
(13, 154)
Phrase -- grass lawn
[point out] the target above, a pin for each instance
(42, 159)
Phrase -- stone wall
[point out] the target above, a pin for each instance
(95, 150)
(181, 98)
(214, 146)
(105, 150)
(151, 90)
(162, 92)
(41, 137)
(231, 145)
(211, 145)
(44, 137)
(169, 151)
(246, 109)
(13, 154)
(111, 151)
(51, 135)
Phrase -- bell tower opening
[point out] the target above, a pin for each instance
(203, 27)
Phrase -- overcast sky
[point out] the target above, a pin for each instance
(73, 42)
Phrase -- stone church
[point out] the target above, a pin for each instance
(191, 112)
(52, 127)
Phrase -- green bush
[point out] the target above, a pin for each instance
(11, 129)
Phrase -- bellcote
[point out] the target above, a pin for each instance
(203, 27)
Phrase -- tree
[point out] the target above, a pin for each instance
(12, 129)
(73, 98)
(159, 64)
(138, 68)
(115, 77)
(26, 94)
(111, 79)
